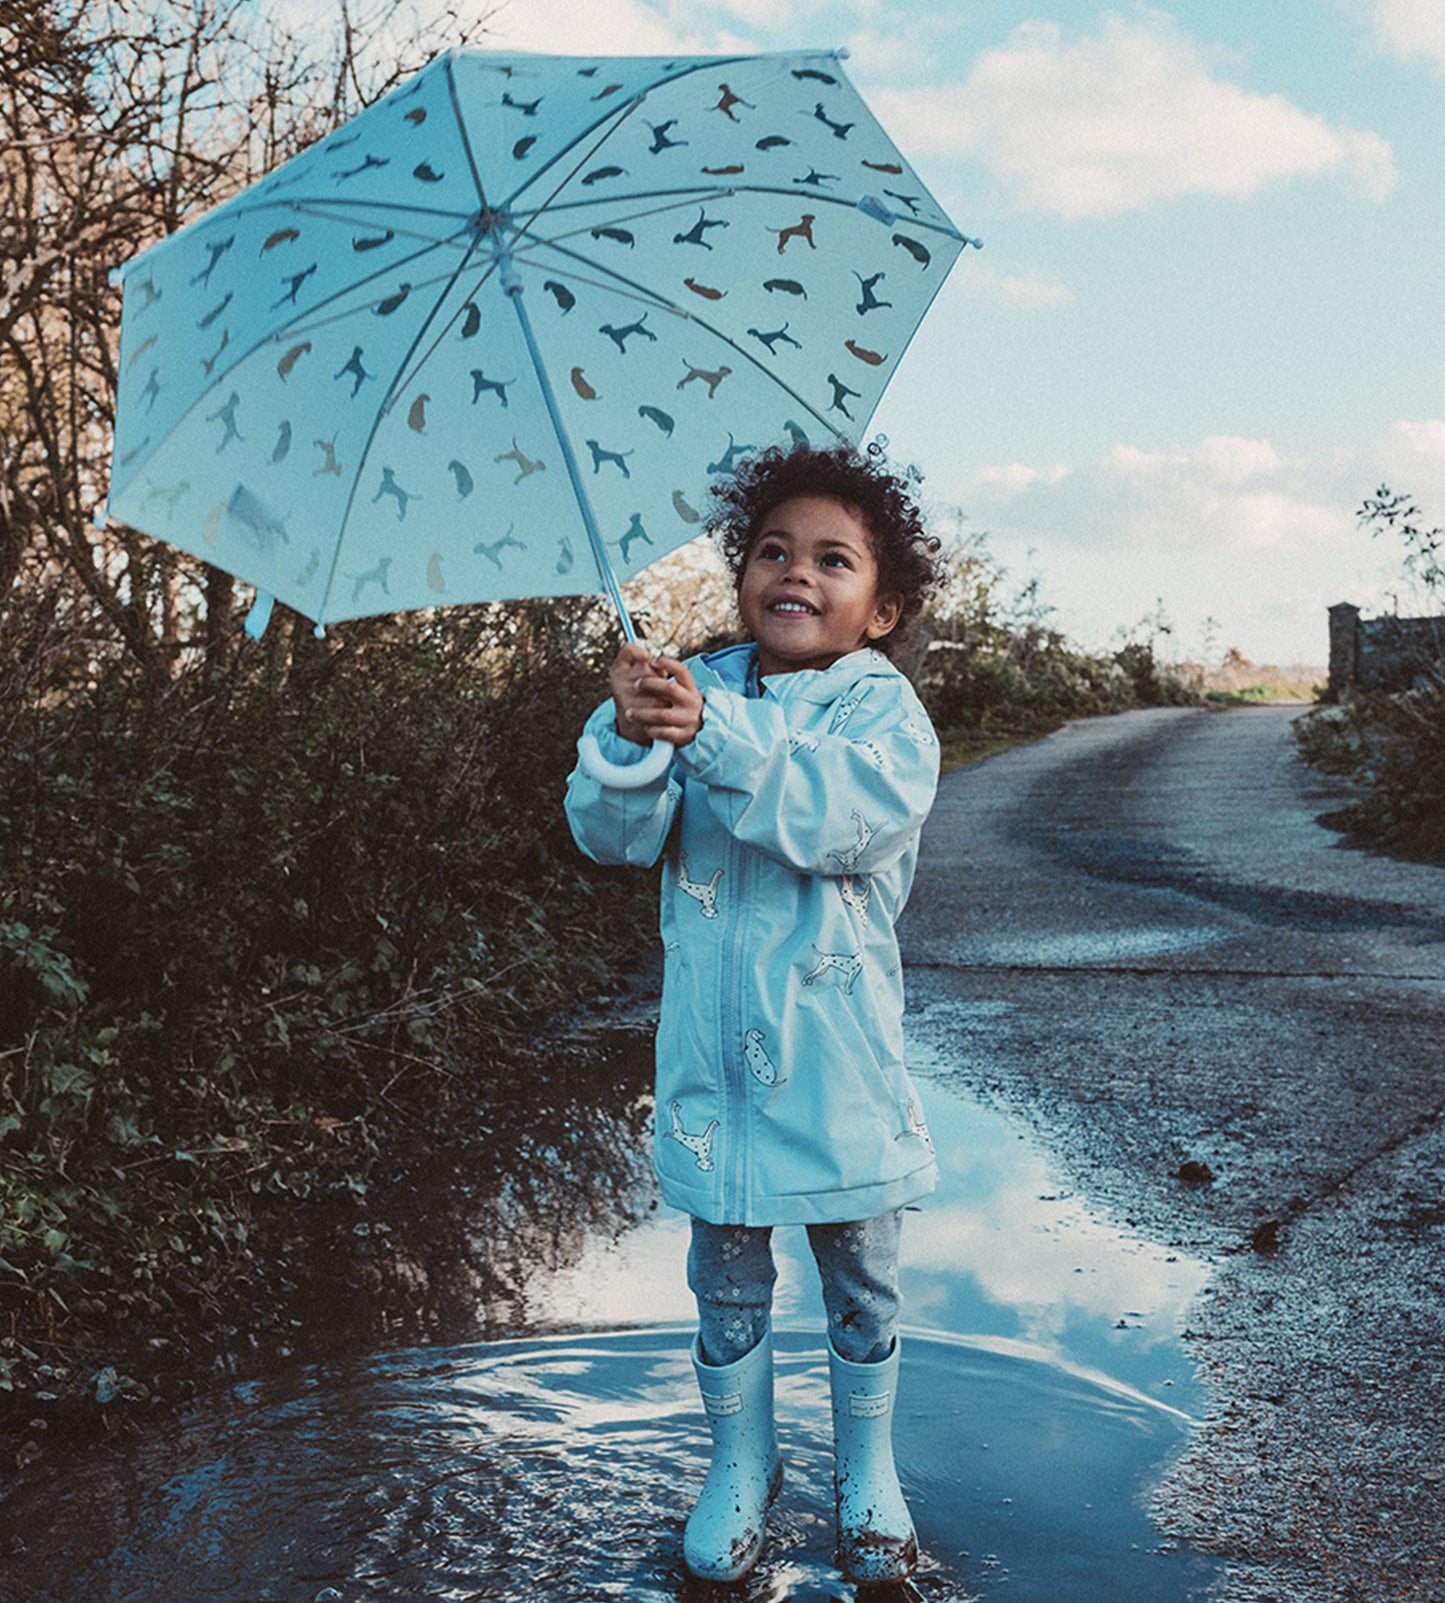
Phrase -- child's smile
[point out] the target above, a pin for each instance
(809, 587)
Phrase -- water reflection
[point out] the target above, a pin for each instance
(562, 1468)
(999, 1253)
(1042, 1385)
(473, 1240)
(1003, 1252)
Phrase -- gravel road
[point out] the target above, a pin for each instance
(1230, 1026)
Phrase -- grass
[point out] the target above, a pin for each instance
(963, 747)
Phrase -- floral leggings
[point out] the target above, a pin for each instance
(731, 1273)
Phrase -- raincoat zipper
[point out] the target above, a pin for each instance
(735, 1088)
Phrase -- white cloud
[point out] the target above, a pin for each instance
(1411, 28)
(891, 53)
(1092, 127)
(1029, 291)
(601, 27)
(1226, 529)
(1236, 460)
(1026, 1248)
(1412, 462)
(1016, 477)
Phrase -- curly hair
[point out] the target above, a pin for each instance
(907, 557)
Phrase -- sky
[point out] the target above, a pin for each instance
(1206, 321)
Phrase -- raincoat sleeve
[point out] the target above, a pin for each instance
(831, 804)
(620, 826)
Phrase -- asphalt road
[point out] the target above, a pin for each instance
(1138, 933)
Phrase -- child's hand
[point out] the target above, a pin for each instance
(656, 697)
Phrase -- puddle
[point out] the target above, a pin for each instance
(1043, 1389)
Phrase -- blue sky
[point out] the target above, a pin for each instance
(1205, 323)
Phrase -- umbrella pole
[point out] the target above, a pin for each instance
(512, 285)
(658, 760)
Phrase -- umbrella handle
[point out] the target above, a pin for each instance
(624, 776)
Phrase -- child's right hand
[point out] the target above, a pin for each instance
(656, 697)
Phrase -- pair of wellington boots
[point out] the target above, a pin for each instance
(724, 1534)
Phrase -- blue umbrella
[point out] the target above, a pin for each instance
(491, 338)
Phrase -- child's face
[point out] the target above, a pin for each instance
(808, 591)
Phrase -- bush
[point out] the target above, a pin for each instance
(254, 926)
(1027, 683)
(1394, 745)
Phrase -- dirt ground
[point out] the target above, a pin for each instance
(1230, 1027)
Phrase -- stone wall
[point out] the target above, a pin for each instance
(1380, 653)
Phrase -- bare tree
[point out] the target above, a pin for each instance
(119, 120)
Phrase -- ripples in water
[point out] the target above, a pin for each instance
(563, 1468)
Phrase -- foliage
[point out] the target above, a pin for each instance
(1392, 743)
(255, 926)
(119, 121)
(1385, 512)
(995, 667)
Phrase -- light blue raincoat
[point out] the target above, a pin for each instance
(790, 826)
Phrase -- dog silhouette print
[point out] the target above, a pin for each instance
(870, 302)
(390, 487)
(696, 234)
(492, 552)
(802, 229)
(772, 340)
(839, 130)
(357, 369)
(848, 965)
(600, 455)
(848, 857)
(227, 415)
(376, 575)
(481, 385)
(705, 894)
(841, 394)
(712, 380)
(620, 336)
(699, 1145)
(525, 466)
(729, 100)
(635, 531)
(761, 1066)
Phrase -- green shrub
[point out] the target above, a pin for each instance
(1032, 681)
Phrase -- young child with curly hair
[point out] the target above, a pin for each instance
(804, 768)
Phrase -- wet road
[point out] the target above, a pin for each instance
(1231, 1028)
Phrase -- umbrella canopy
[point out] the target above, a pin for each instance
(491, 338)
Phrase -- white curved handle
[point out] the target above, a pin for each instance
(624, 776)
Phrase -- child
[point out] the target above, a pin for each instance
(805, 766)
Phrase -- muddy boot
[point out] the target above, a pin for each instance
(724, 1533)
(875, 1534)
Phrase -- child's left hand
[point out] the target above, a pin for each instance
(657, 697)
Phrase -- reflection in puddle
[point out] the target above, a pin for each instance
(562, 1468)
(997, 1254)
(1003, 1253)
(1042, 1388)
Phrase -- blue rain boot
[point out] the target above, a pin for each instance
(875, 1533)
(724, 1533)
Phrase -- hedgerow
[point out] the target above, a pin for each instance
(254, 929)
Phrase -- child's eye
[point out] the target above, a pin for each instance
(835, 559)
(771, 551)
